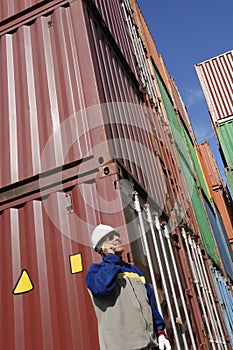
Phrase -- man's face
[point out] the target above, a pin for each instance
(112, 244)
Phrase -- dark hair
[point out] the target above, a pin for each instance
(99, 250)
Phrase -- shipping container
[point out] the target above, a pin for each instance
(225, 297)
(212, 172)
(212, 233)
(148, 41)
(46, 253)
(224, 134)
(156, 60)
(59, 86)
(222, 241)
(185, 150)
(217, 187)
(229, 175)
(14, 13)
(43, 71)
(85, 142)
(66, 93)
(114, 14)
(215, 76)
(212, 246)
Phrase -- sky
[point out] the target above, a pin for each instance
(187, 32)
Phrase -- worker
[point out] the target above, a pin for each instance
(123, 299)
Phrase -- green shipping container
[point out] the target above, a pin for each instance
(229, 175)
(225, 136)
(186, 154)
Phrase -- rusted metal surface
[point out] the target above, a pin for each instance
(215, 76)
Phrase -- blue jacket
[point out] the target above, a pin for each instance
(120, 289)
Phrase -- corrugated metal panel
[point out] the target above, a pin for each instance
(45, 241)
(45, 250)
(198, 170)
(216, 77)
(199, 210)
(229, 175)
(138, 50)
(31, 242)
(54, 80)
(225, 136)
(170, 112)
(201, 217)
(200, 271)
(213, 174)
(127, 127)
(189, 175)
(225, 210)
(43, 72)
(12, 14)
(45, 254)
(218, 189)
(112, 14)
(225, 298)
(146, 36)
(221, 238)
(151, 50)
(11, 8)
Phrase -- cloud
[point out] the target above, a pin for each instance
(192, 96)
(203, 131)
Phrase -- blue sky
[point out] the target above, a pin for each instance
(187, 33)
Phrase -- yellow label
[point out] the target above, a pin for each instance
(132, 275)
(76, 263)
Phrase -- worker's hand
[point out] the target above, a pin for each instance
(164, 343)
(107, 248)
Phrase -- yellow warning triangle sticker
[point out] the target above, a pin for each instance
(24, 283)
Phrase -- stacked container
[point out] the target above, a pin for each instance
(86, 140)
(215, 76)
(218, 189)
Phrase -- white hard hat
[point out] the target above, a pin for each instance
(99, 233)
